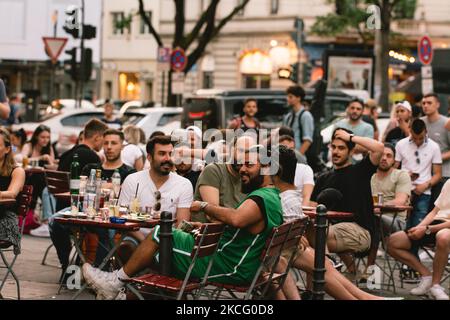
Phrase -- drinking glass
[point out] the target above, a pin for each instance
(114, 207)
(74, 203)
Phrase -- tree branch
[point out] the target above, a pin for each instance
(180, 20)
(193, 35)
(225, 20)
(147, 21)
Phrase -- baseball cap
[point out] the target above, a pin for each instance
(405, 104)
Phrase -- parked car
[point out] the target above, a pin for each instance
(165, 119)
(215, 108)
(66, 126)
(137, 105)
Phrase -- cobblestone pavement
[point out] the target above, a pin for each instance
(41, 282)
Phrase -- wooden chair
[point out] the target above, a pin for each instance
(206, 242)
(57, 182)
(23, 205)
(268, 277)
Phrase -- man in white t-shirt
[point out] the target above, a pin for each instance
(434, 230)
(421, 157)
(159, 188)
(304, 175)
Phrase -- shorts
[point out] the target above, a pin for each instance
(183, 243)
(426, 240)
(351, 237)
(287, 253)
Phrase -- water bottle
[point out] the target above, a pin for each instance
(89, 197)
(116, 182)
(98, 190)
(75, 175)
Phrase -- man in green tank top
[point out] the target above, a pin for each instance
(240, 246)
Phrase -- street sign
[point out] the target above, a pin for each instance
(425, 50)
(54, 47)
(163, 59)
(178, 60)
(427, 72)
(427, 79)
(177, 82)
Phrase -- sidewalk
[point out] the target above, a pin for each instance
(41, 282)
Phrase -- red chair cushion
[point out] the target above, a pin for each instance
(164, 282)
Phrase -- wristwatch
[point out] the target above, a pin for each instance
(427, 230)
(351, 137)
(203, 205)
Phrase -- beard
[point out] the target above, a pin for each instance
(384, 168)
(183, 168)
(161, 171)
(112, 158)
(355, 117)
(252, 185)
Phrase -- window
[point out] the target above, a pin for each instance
(143, 28)
(274, 5)
(119, 23)
(168, 118)
(208, 80)
(80, 120)
(241, 12)
(256, 81)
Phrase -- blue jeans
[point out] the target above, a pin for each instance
(420, 206)
(60, 235)
(48, 202)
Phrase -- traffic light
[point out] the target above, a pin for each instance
(87, 64)
(72, 26)
(70, 65)
(294, 73)
(89, 31)
(307, 69)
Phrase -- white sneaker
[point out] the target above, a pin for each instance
(438, 293)
(41, 231)
(106, 284)
(423, 287)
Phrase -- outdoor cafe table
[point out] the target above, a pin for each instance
(79, 227)
(331, 215)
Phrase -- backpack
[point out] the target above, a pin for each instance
(313, 152)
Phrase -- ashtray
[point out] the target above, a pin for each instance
(117, 220)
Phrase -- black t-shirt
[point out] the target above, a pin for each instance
(354, 183)
(192, 176)
(370, 121)
(115, 121)
(395, 135)
(85, 156)
(124, 171)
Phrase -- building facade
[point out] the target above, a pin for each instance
(24, 65)
(129, 51)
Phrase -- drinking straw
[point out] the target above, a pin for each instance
(118, 196)
(137, 188)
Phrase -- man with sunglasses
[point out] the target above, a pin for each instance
(421, 157)
(159, 184)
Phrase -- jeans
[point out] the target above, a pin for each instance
(60, 235)
(48, 204)
(420, 206)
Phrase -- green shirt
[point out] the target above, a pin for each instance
(238, 253)
(229, 186)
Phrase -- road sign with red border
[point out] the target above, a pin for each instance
(54, 47)
(425, 50)
(178, 60)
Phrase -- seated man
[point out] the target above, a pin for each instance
(158, 189)
(395, 186)
(336, 284)
(240, 246)
(357, 234)
(433, 230)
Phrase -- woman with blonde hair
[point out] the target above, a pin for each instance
(132, 155)
(12, 179)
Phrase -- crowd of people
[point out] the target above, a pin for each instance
(230, 181)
